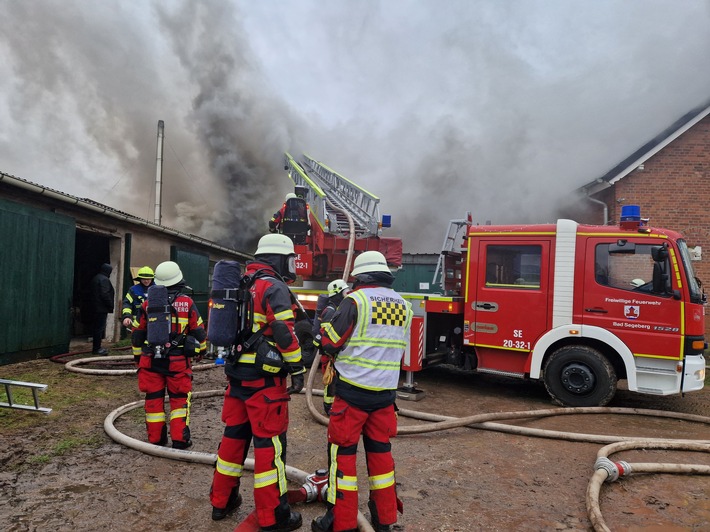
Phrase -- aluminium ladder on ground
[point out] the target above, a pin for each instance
(448, 246)
(326, 186)
(31, 385)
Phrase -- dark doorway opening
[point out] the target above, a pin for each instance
(90, 252)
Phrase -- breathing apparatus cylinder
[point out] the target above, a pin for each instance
(159, 312)
(223, 321)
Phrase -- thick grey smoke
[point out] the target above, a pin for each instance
(499, 108)
(87, 84)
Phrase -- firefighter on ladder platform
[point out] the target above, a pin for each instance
(160, 367)
(368, 336)
(256, 400)
(292, 219)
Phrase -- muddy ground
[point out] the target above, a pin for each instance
(62, 472)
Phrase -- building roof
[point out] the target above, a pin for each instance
(96, 207)
(648, 150)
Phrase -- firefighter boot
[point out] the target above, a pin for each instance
(324, 523)
(375, 519)
(286, 520)
(163, 437)
(186, 441)
(234, 502)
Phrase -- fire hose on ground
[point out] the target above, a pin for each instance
(605, 469)
(312, 485)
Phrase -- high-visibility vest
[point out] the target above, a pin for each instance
(372, 356)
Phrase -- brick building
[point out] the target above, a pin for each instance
(669, 178)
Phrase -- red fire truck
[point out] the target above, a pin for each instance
(576, 306)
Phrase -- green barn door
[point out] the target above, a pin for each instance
(37, 265)
(195, 269)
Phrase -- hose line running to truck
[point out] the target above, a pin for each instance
(351, 240)
(605, 469)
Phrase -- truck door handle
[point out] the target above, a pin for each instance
(485, 306)
(597, 309)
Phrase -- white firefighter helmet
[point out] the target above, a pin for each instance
(638, 282)
(290, 195)
(369, 261)
(168, 274)
(337, 286)
(275, 244)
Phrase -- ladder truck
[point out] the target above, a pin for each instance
(344, 221)
(578, 307)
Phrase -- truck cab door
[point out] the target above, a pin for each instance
(620, 295)
(511, 302)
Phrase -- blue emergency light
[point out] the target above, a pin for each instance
(630, 213)
(386, 220)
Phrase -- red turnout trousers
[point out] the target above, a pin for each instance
(344, 428)
(176, 376)
(254, 409)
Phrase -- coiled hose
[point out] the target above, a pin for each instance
(605, 469)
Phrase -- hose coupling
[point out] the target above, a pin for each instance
(316, 485)
(623, 467)
(612, 472)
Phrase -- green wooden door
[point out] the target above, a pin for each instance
(195, 269)
(37, 265)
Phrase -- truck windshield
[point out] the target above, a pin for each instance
(696, 294)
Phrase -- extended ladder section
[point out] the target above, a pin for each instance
(30, 385)
(329, 193)
(442, 274)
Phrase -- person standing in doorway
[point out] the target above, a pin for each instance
(102, 302)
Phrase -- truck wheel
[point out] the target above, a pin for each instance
(579, 376)
(305, 338)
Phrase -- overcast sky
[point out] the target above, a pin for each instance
(496, 107)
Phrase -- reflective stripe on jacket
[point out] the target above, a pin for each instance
(271, 302)
(133, 300)
(188, 320)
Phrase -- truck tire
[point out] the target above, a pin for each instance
(305, 338)
(579, 375)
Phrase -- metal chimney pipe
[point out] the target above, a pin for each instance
(159, 173)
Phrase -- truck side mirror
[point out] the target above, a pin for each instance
(659, 253)
(660, 279)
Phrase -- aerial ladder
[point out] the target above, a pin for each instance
(345, 220)
(330, 196)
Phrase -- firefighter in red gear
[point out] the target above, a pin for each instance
(292, 219)
(337, 290)
(368, 336)
(171, 368)
(276, 222)
(256, 401)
